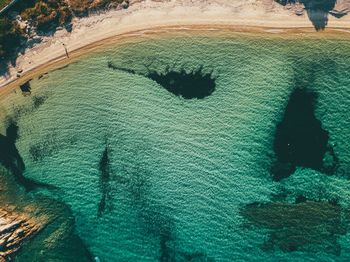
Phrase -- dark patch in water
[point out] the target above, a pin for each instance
(38, 101)
(158, 223)
(49, 146)
(155, 219)
(12, 160)
(25, 88)
(130, 71)
(196, 257)
(169, 251)
(317, 10)
(36, 152)
(41, 76)
(166, 241)
(195, 84)
(305, 226)
(300, 199)
(104, 168)
(300, 139)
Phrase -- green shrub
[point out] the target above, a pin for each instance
(10, 37)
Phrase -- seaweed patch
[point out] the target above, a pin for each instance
(104, 168)
(11, 159)
(300, 139)
(49, 146)
(302, 226)
(38, 101)
(26, 88)
(189, 85)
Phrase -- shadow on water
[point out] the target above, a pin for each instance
(12, 160)
(308, 226)
(104, 168)
(300, 139)
(317, 10)
(189, 85)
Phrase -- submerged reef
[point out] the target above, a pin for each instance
(300, 139)
(49, 145)
(189, 85)
(195, 84)
(26, 88)
(12, 160)
(104, 169)
(155, 220)
(10, 157)
(308, 226)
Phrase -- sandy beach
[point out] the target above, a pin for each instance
(91, 32)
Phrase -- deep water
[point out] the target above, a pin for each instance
(153, 175)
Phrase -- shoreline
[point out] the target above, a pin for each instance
(97, 31)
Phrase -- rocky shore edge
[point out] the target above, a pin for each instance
(34, 227)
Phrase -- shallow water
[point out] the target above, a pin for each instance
(180, 171)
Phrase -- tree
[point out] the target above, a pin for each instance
(10, 37)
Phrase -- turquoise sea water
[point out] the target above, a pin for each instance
(181, 170)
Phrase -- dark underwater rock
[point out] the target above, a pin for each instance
(189, 85)
(195, 84)
(309, 226)
(12, 160)
(300, 139)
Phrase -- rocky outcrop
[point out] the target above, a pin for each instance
(318, 10)
(341, 8)
(15, 229)
(36, 228)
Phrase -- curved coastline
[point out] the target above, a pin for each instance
(92, 33)
(56, 62)
(141, 35)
